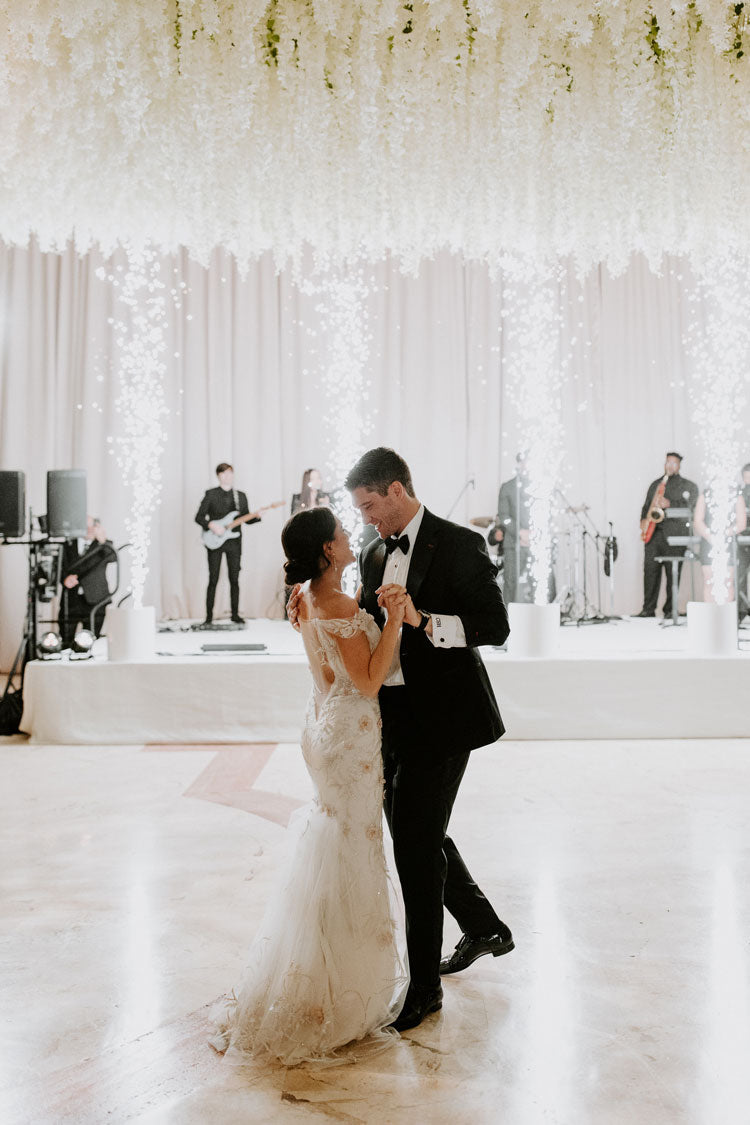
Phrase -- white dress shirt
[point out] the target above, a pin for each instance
(447, 630)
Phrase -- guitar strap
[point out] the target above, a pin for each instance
(235, 500)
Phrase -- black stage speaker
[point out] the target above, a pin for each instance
(66, 503)
(12, 504)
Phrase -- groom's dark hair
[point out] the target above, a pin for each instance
(376, 471)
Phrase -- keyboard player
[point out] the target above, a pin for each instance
(743, 549)
(702, 525)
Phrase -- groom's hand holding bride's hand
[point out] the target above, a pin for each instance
(395, 605)
(395, 600)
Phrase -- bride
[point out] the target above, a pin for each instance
(324, 969)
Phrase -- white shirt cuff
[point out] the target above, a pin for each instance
(447, 631)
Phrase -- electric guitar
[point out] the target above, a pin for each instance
(230, 521)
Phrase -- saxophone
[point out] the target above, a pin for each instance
(656, 512)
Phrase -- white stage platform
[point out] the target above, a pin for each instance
(625, 679)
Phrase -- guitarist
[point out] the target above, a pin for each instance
(215, 505)
(668, 491)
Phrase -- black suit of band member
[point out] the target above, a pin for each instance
(445, 709)
(216, 504)
(323, 498)
(743, 563)
(511, 497)
(517, 586)
(90, 566)
(675, 490)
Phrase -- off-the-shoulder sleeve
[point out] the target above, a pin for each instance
(344, 626)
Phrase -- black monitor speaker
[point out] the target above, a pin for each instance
(12, 504)
(66, 503)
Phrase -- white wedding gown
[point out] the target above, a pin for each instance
(324, 968)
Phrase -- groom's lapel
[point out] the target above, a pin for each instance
(423, 553)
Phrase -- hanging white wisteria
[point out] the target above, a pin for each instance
(589, 128)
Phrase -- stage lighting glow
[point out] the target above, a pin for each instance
(49, 645)
(536, 368)
(140, 334)
(83, 642)
(719, 343)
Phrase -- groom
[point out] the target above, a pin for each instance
(437, 706)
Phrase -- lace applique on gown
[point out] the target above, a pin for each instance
(324, 968)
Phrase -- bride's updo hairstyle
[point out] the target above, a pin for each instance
(303, 539)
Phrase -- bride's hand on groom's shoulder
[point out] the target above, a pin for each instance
(293, 606)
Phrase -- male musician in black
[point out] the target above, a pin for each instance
(743, 552)
(512, 530)
(215, 505)
(678, 493)
(84, 579)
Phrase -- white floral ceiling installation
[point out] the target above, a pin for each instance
(360, 127)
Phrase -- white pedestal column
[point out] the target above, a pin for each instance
(131, 633)
(534, 629)
(712, 629)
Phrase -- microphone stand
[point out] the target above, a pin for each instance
(593, 618)
(517, 547)
(453, 506)
(610, 551)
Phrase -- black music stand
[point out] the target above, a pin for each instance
(690, 542)
(742, 596)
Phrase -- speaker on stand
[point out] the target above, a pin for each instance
(12, 504)
(66, 503)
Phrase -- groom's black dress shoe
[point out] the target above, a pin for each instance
(416, 1006)
(469, 949)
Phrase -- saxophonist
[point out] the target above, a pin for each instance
(668, 491)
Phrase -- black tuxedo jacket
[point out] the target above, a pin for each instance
(449, 690)
(90, 567)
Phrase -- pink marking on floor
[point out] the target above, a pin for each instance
(229, 779)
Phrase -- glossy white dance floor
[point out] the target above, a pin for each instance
(133, 879)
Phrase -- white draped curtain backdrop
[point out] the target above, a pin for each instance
(246, 383)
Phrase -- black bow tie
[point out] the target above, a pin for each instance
(402, 543)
